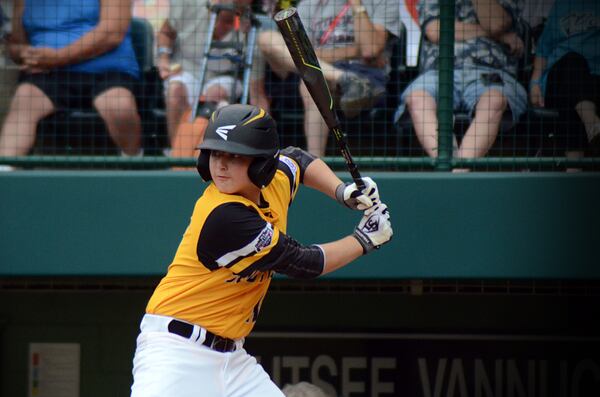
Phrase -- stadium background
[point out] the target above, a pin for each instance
(490, 283)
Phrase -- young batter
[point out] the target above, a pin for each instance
(192, 335)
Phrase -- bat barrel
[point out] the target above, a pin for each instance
(307, 64)
(306, 61)
(285, 14)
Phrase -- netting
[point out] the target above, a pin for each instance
(418, 85)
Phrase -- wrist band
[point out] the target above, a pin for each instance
(535, 82)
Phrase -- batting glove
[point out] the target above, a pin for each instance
(374, 229)
(349, 195)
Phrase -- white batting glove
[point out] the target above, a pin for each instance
(349, 195)
(374, 229)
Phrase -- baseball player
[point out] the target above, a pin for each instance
(192, 335)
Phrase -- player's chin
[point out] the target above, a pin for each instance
(225, 186)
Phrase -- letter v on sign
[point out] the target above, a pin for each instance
(224, 130)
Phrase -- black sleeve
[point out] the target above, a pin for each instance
(231, 233)
(291, 258)
(302, 157)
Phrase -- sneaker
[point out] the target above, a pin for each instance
(357, 94)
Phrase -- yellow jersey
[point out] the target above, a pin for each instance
(224, 264)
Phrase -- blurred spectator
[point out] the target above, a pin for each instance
(181, 43)
(535, 13)
(8, 70)
(566, 74)
(488, 45)
(78, 56)
(154, 11)
(303, 389)
(3, 22)
(350, 41)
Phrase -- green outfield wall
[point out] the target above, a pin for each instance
(478, 225)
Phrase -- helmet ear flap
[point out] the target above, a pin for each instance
(262, 170)
(202, 164)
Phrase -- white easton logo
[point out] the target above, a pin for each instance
(224, 130)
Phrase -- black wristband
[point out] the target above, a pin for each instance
(362, 238)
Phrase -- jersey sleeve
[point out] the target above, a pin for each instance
(293, 162)
(236, 237)
(231, 233)
(301, 158)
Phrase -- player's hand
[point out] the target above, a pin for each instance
(374, 229)
(349, 195)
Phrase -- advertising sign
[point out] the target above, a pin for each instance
(432, 365)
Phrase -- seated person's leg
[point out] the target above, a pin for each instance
(419, 98)
(217, 92)
(259, 95)
(315, 129)
(30, 104)
(114, 100)
(359, 86)
(488, 93)
(181, 90)
(221, 89)
(594, 135)
(276, 53)
(570, 85)
(484, 127)
(176, 101)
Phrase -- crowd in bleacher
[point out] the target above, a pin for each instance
(516, 62)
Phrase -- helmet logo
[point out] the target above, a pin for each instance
(224, 130)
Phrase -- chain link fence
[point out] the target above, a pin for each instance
(511, 87)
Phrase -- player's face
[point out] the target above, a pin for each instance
(230, 172)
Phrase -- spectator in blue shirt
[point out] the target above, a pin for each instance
(566, 74)
(73, 54)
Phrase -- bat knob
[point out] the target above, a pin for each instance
(285, 14)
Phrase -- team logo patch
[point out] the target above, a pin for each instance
(264, 238)
(224, 130)
(290, 164)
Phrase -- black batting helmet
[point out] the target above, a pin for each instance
(246, 130)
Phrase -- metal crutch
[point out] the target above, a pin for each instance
(214, 12)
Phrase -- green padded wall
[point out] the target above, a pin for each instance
(479, 225)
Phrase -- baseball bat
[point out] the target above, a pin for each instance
(302, 52)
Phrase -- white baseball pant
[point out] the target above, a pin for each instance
(166, 364)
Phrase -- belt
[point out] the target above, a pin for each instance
(195, 333)
(215, 342)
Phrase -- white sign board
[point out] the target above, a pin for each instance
(54, 369)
